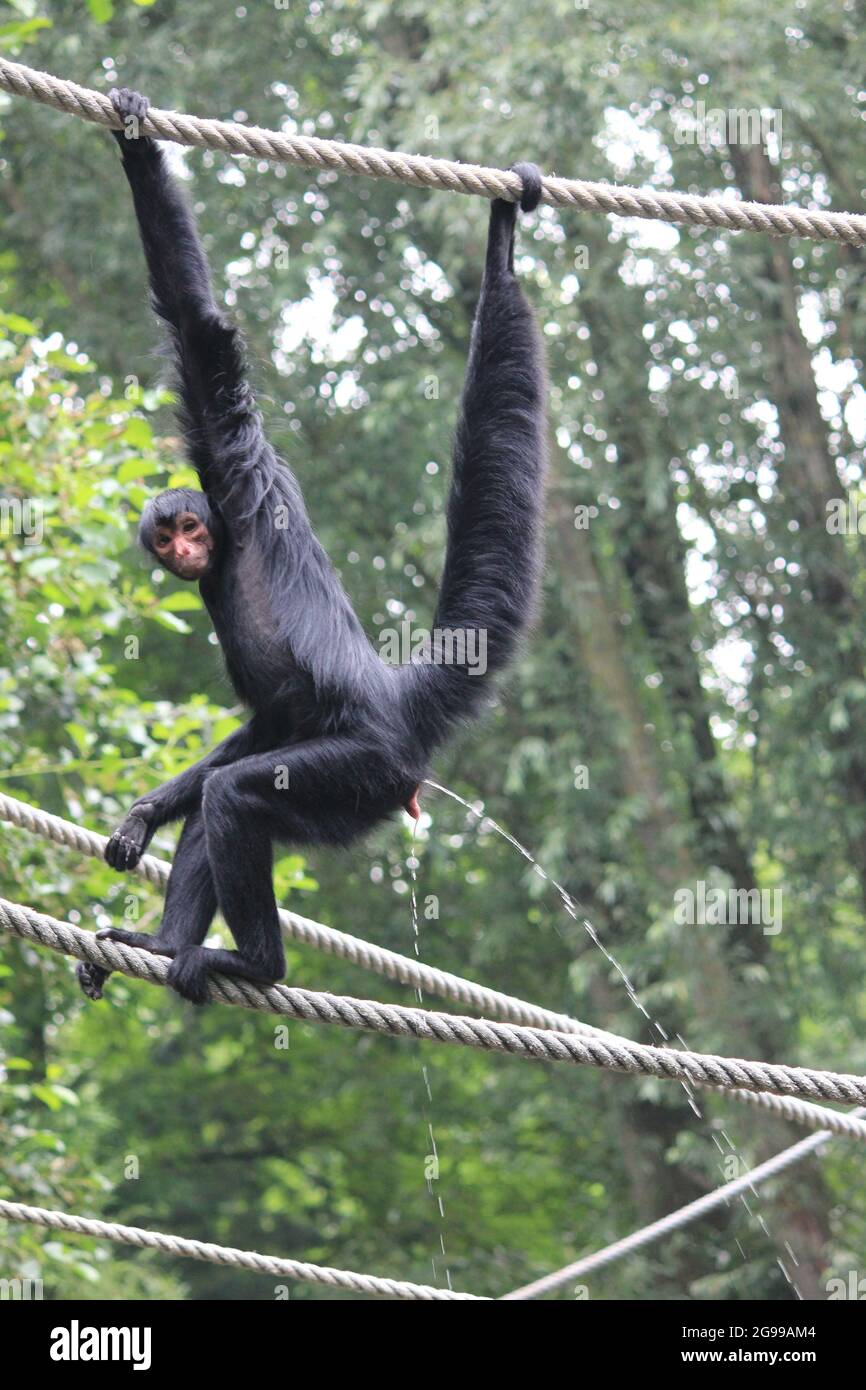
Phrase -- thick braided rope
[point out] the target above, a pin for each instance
(423, 172)
(407, 971)
(395, 1020)
(675, 1219)
(227, 1255)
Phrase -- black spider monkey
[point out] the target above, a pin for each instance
(337, 739)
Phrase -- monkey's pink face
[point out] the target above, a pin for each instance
(184, 547)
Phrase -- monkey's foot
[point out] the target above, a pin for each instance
(91, 978)
(141, 939)
(190, 971)
(188, 974)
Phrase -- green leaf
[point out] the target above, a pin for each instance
(182, 602)
(80, 736)
(138, 433)
(48, 1095)
(166, 619)
(15, 34)
(183, 477)
(67, 363)
(14, 322)
(41, 565)
(138, 468)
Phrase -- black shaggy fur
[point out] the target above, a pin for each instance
(337, 739)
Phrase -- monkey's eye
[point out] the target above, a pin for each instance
(189, 526)
(163, 541)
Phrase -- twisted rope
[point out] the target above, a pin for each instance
(395, 1020)
(802, 1112)
(407, 971)
(227, 1255)
(421, 171)
(674, 1220)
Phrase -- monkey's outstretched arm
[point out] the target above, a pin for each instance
(176, 263)
(222, 427)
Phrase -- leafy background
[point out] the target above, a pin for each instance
(701, 652)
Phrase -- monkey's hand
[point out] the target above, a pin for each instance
(132, 108)
(132, 837)
(91, 978)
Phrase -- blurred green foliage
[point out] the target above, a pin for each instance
(690, 708)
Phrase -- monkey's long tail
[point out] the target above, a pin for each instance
(493, 559)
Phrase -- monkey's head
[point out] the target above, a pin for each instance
(179, 529)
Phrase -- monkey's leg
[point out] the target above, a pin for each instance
(333, 788)
(190, 905)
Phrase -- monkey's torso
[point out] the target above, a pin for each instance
(303, 679)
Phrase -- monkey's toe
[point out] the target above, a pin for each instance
(91, 978)
(530, 175)
(140, 939)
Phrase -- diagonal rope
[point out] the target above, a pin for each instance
(421, 171)
(228, 1255)
(803, 1112)
(407, 971)
(675, 1219)
(395, 1020)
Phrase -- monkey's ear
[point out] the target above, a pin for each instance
(530, 175)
